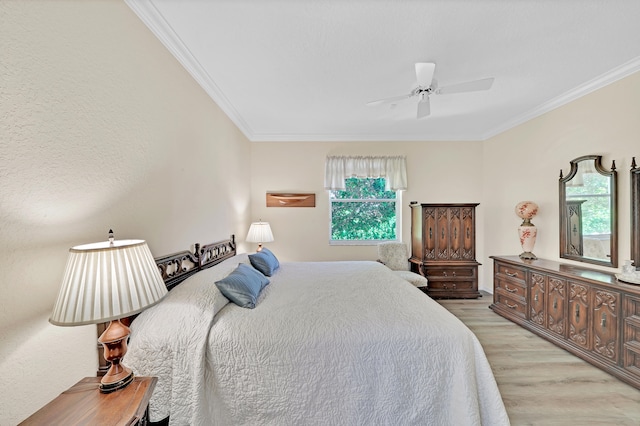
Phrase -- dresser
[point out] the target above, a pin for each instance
(443, 248)
(585, 311)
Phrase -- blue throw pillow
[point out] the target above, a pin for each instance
(264, 261)
(243, 286)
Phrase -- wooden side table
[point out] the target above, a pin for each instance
(83, 404)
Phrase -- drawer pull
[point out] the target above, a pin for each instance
(603, 323)
(430, 233)
(511, 306)
(577, 312)
(555, 303)
(468, 233)
(535, 298)
(510, 274)
(455, 233)
(444, 273)
(454, 273)
(510, 290)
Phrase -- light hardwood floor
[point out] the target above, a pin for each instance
(540, 383)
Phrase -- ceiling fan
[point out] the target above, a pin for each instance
(428, 86)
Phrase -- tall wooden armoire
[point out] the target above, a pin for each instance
(443, 249)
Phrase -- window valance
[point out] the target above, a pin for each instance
(393, 169)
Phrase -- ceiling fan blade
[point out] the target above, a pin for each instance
(424, 73)
(387, 100)
(424, 106)
(469, 86)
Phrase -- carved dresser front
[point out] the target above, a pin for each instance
(588, 312)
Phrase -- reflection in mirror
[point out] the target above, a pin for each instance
(635, 213)
(588, 221)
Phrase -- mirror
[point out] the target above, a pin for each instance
(588, 219)
(635, 213)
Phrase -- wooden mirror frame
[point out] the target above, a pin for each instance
(635, 212)
(564, 216)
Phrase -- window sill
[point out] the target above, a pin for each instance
(358, 242)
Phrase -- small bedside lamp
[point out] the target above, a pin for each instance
(104, 282)
(260, 232)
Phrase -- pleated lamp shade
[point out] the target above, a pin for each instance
(260, 232)
(107, 281)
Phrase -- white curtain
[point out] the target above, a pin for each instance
(393, 169)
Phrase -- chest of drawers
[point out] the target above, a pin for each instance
(443, 249)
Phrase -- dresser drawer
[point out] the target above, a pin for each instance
(509, 286)
(511, 273)
(512, 304)
(451, 285)
(452, 280)
(451, 272)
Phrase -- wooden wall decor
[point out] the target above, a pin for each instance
(286, 199)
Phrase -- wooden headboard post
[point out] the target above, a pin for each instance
(177, 267)
(212, 254)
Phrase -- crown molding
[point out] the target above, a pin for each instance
(599, 82)
(286, 137)
(153, 19)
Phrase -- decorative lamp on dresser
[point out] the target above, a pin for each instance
(585, 311)
(443, 248)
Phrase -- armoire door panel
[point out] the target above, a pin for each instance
(468, 234)
(430, 233)
(455, 235)
(442, 227)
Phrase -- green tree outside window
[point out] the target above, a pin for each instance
(364, 211)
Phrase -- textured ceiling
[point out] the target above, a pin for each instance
(303, 70)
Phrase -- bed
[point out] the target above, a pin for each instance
(328, 343)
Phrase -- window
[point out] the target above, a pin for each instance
(364, 212)
(364, 198)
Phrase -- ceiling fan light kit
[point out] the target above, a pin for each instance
(428, 86)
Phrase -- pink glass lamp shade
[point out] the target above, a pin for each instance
(527, 231)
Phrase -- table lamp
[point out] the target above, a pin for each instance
(260, 232)
(107, 281)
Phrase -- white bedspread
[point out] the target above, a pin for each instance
(329, 343)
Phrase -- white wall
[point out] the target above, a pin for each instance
(525, 163)
(438, 172)
(99, 127)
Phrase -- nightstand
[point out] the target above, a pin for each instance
(83, 404)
